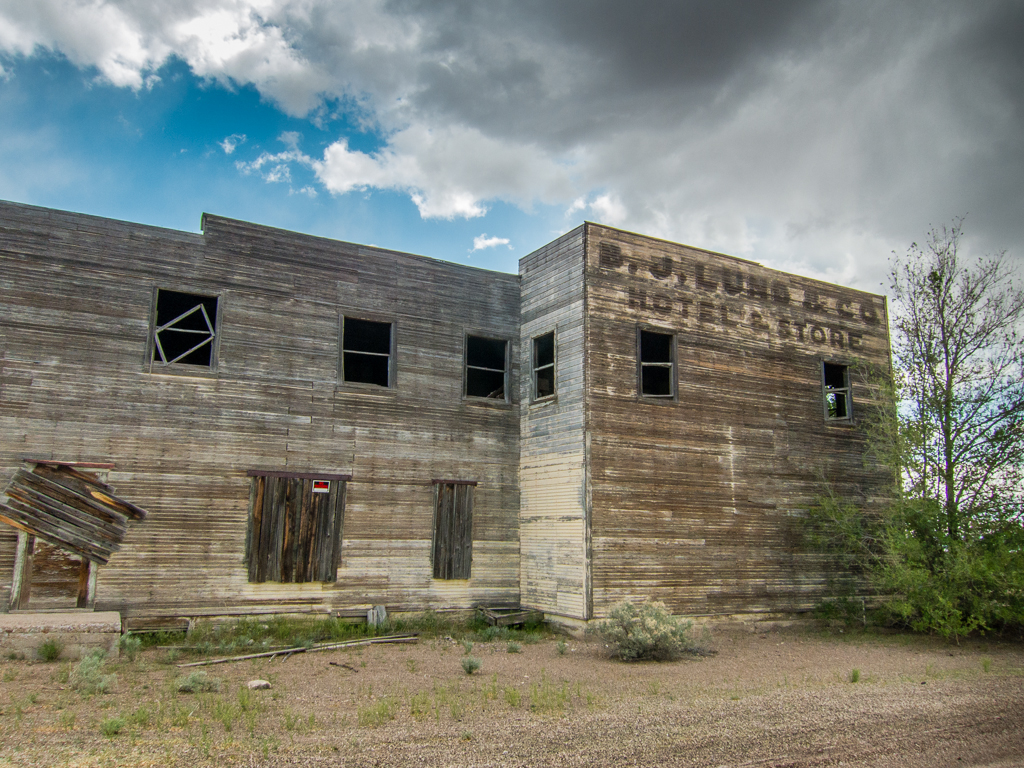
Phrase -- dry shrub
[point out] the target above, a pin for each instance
(647, 632)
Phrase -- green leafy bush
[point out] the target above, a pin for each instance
(647, 631)
(924, 579)
(470, 664)
(952, 588)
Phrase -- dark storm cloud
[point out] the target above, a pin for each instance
(984, 69)
(566, 71)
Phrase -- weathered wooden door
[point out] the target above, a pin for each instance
(295, 529)
(453, 530)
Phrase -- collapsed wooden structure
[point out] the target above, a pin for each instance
(70, 509)
(321, 426)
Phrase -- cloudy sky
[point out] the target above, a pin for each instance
(814, 137)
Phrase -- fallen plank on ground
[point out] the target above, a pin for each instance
(304, 649)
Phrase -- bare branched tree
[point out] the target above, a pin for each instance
(958, 350)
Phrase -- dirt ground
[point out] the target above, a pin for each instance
(782, 698)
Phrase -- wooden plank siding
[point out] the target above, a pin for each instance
(579, 500)
(697, 499)
(553, 513)
(76, 384)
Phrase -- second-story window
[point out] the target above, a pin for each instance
(544, 366)
(366, 352)
(656, 353)
(486, 367)
(836, 386)
(184, 329)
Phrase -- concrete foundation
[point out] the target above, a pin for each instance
(79, 632)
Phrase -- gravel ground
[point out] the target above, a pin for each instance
(782, 698)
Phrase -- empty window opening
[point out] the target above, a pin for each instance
(295, 525)
(836, 379)
(544, 366)
(657, 364)
(184, 328)
(366, 352)
(452, 552)
(486, 363)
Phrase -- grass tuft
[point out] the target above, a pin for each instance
(546, 697)
(112, 726)
(513, 697)
(197, 682)
(377, 714)
(50, 649)
(130, 646)
(87, 677)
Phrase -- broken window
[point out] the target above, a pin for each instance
(452, 553)
(184, 329)
(295, 523)
(657, 364)
(486, 364)
(544, 366)
(836, 385)
(366, 352)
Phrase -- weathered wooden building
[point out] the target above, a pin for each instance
(314, 425)
(701, 404)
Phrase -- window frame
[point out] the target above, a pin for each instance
(392, 353)
(506, 378)
(152, 365)
(846, 392)
(672, 364)
(454, 568)
(534, 368)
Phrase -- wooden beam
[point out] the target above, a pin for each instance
(21, 585)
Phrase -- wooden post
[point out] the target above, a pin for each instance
(21, 583)
(94, 572)
(86, 584)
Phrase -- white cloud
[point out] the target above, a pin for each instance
(579, 204)
(230, 143)
(608, 209)
(276, 167)
(226, 40)
(448, 172)
(483, 241)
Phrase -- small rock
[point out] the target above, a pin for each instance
(258, 685)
